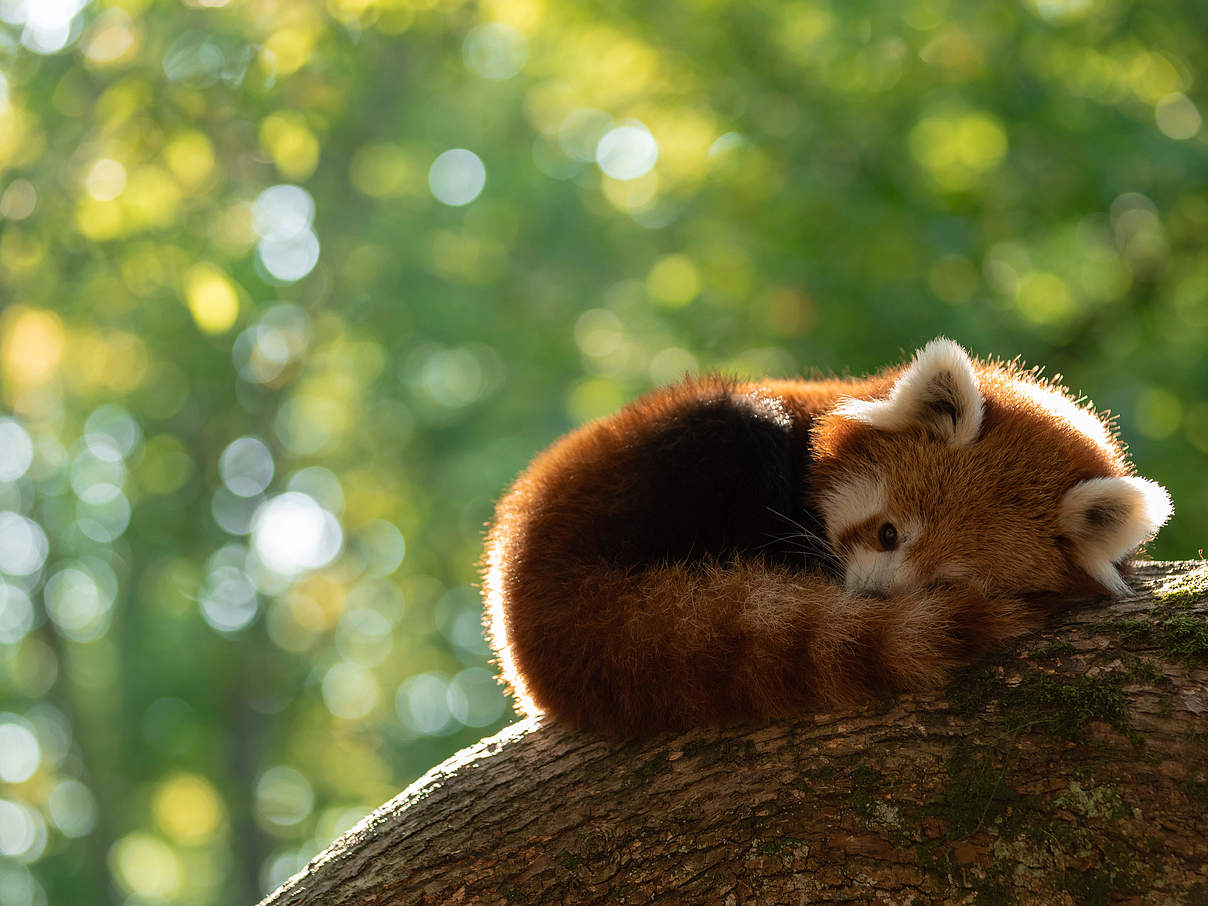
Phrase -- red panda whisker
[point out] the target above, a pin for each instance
(825, 551)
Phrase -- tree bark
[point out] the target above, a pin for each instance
(1073, 770)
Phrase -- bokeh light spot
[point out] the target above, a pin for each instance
(580, 133)
(349, 690)
(306, 423)
(22, 831)
(190, 156)
(495, 51)
(286, 51)
(296, 623)
(284, 796)
(31, 345)
(282, 212)
(49, 24)
(211, 297)
(96, 480)
(234, 513)
(228, 599)
(16, 450)
(106, 180)
(320, 484)
(111, 39)
(423, 707)
(72, 808)
(283, 217)
(627, 152)
(289, 260)
(110, 432)
(246, 466)
(459, 618)
(457, 177)
(451, 377)
(23, 545)
(20, 754)
(281, 337)
(16, 614)
(188, 809)
(146, 866)
(364, 636)
(1178, 117)
(79, 599)
(20, 199)
(291, 143)
(674, 281)
(959, 148)
(634, 196)
(599, 332)
(1045, 298)
(474, 698)
(383, 547)
(105, 517)
(1062, 10)
(291, 533)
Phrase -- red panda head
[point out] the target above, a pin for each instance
(978, 472)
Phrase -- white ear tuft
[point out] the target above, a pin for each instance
(938, 391)
(1106, 518)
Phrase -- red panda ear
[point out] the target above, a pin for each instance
(1107, 518)
(937, 391)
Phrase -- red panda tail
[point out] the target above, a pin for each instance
(631, 653)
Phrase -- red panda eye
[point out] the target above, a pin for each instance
(887, 535)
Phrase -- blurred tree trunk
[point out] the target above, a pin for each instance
(1072, 771)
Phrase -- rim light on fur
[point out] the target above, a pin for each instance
(1107, 518)
(939, 387)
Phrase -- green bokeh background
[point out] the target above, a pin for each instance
(207, 672)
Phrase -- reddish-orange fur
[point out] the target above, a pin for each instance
(604, 633)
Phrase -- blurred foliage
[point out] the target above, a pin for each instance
(292, 289)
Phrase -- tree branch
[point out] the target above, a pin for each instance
(1074, 770)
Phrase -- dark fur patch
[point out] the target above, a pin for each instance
(945, 404)
(717, 480)
(1102, 515)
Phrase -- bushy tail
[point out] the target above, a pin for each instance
(632, 653)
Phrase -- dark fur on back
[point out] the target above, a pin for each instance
(718, 477)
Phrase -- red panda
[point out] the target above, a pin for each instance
(723, 550)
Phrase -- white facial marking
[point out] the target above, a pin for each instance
(867, 570)
(851, 502)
